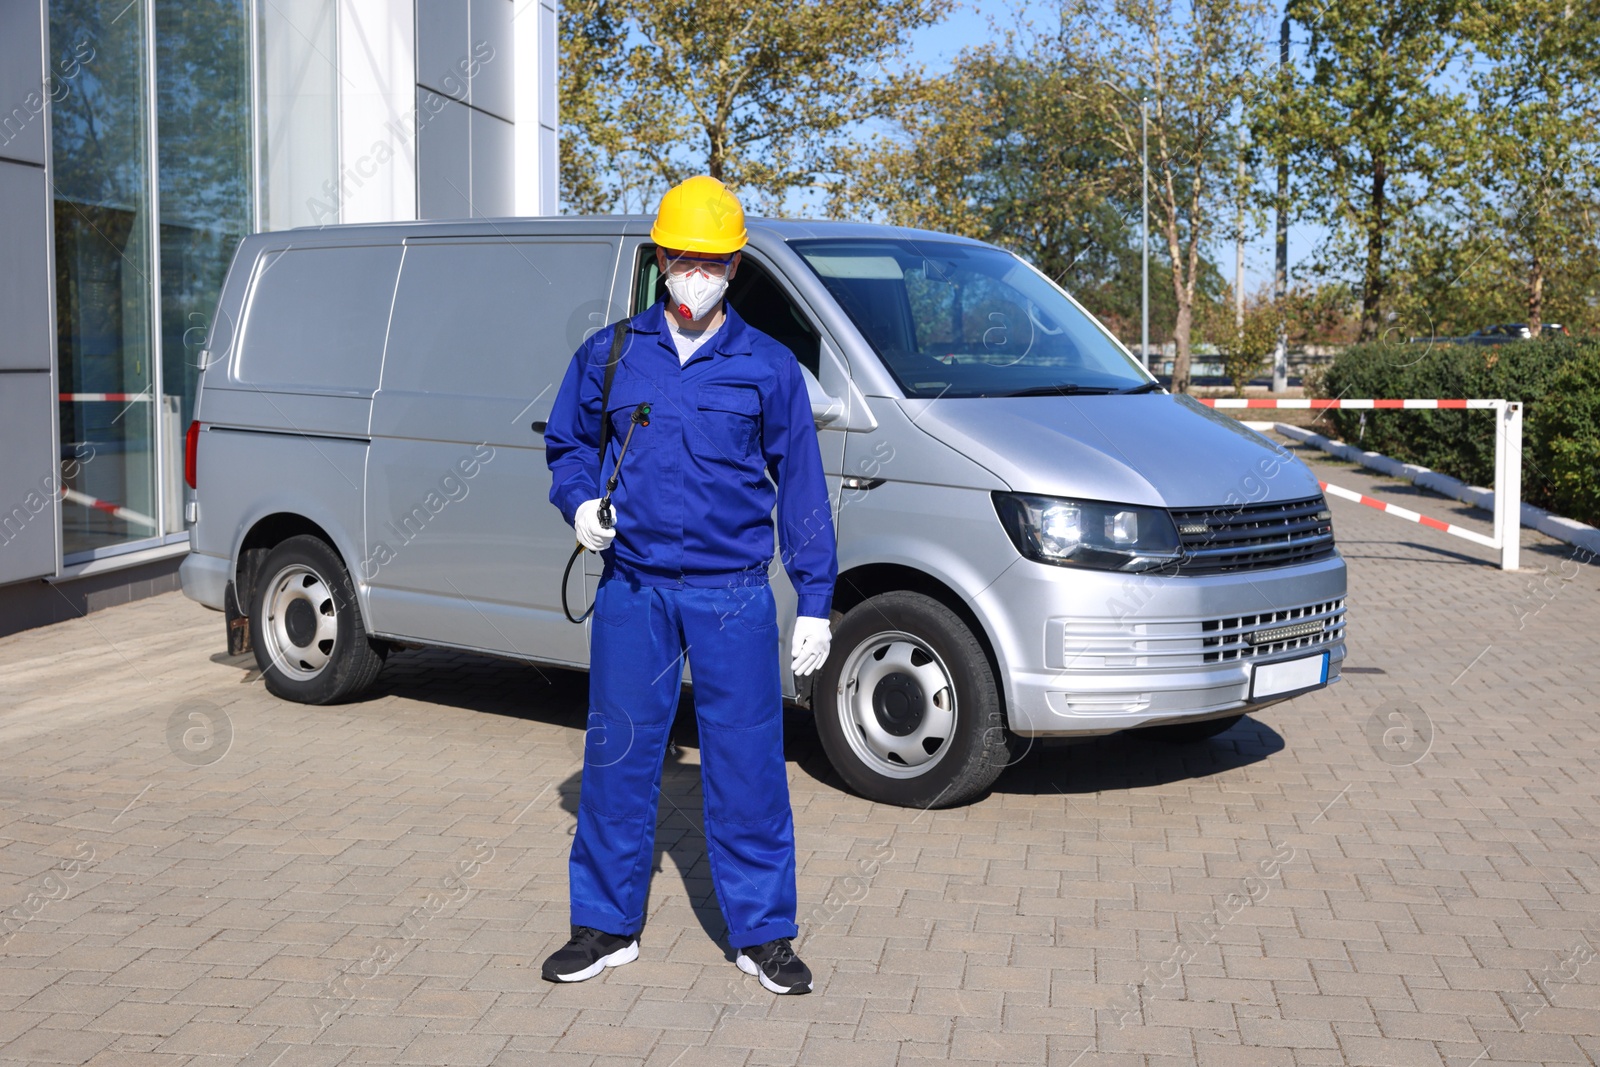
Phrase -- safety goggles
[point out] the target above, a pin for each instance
(688, 264)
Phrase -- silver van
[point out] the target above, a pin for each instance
(1034, 538)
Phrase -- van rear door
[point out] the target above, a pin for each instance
(463, 546)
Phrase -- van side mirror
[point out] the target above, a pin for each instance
(825, 409)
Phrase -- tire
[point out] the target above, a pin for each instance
(1184, 733)
(306, 627)
(931, 730)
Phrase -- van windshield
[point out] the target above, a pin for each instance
(963, 320)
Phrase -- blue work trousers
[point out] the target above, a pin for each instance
(640, 638)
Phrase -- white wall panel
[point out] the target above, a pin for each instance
(535, 94)
(377, 118)
(298, 99)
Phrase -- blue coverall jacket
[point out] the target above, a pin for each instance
(694, 504)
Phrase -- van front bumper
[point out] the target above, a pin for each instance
(1092, 652)
(205, 579)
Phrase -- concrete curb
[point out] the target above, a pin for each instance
(1572, 532)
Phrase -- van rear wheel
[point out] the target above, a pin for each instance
(907, 707)
(306, 628)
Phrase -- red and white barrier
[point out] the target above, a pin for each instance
(1350, 405)
(1406, 513)
(74, 398)
(1507, 460)
(115, 510)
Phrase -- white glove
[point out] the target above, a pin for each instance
(812, 639)
(586, 523)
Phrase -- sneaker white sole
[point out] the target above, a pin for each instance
(626, 954)
(748, 966)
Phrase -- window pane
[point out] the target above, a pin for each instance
(203, 157)
(101, 172)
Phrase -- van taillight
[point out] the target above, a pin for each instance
(191, 441)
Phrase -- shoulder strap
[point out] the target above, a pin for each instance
(619, 334)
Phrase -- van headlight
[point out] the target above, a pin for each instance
(1086, 533)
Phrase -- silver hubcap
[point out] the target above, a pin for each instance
(897, 705)
(302, 622)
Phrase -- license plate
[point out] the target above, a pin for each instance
(1273, 679)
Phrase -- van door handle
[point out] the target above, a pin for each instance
(851, 481)
(539, 425)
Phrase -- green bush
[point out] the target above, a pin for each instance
(1461, 443)
(1565, 429)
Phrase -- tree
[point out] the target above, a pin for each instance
(1326, 314)
(1538, 100)
(1245, 346)
(592, 135)
(1375, 126)
(1195, 66)
(994, 149)
(759, 93)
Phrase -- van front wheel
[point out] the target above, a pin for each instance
(306, 628)
(907, 707)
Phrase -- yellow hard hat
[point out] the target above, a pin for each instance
(699, 214)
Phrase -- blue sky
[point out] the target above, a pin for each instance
(970, 23)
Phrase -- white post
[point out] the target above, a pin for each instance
(1144, 291)
(1508, 483)
(1500, 538)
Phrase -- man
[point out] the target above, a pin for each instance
(685, 577)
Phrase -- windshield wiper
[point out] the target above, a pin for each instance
(1146, 387)
(1066, 389)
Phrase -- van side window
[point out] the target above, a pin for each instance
(317, 317)
(758, 299)
(495, 318)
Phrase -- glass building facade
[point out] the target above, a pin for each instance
(151, 161)
(140, 141)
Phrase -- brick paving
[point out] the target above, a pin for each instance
(378, 882)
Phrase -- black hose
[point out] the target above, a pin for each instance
(640, 417)
(565, 575)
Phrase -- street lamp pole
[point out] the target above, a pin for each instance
(1144, 295)
(1280, 274)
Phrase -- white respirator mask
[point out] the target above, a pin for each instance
(695, 293)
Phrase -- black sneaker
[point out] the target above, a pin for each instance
(588, 953)
(775, 963)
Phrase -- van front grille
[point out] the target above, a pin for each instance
(1271, 632)
(1217, 540)
(1109, 644)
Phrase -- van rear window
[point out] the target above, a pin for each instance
(317, 319)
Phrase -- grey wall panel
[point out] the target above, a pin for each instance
(23, 87)
(493, 165)
(25, 279)
(493, 76)
(444, 153)
(28, 604)
(29, 477)
(443, 47)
